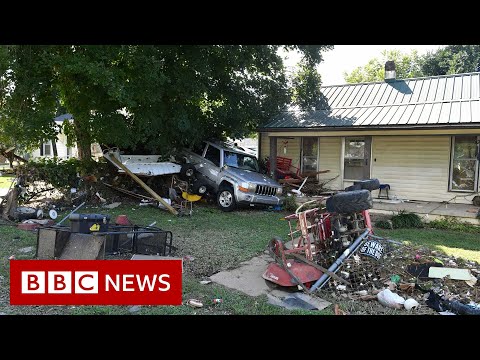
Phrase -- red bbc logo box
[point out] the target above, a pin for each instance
(95, 282)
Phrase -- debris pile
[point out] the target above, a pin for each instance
(407, 276)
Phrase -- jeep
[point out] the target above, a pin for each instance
(231, 174)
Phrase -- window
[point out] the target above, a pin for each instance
(310, 154)
(198, 149)
(464, 163)
(69, 152)
(213, 154)
(354, 159)
(240, 161)
(47, 149)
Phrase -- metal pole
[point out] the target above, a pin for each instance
(65, 218)
(336, 265)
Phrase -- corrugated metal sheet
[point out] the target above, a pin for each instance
(439, 100)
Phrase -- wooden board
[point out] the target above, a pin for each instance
(455, 274)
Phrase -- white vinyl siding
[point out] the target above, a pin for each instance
(331, 159)
(286, 147)
(416, 167)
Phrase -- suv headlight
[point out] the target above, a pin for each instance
(244, 187)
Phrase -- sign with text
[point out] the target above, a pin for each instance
(95, 282)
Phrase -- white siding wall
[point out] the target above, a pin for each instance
(292, 148)
(330, 159)
(416, 167)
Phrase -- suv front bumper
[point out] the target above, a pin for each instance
(248, 198)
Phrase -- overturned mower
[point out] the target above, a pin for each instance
(320, 241)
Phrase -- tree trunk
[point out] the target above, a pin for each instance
(54, 147)
(84, 141)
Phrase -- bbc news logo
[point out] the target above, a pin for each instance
(95, 282)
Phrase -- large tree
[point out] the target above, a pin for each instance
(453, 59)
(144, 97)
(407, 65)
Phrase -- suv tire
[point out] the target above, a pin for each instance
(199, 187)
(187, 171)
(226, 198)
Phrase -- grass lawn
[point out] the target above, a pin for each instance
(217, 241)
(6, 181)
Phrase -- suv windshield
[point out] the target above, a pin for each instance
(240, 161)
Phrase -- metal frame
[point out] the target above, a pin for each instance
(343, 156)
(450, 170)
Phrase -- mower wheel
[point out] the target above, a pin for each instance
(350, 202)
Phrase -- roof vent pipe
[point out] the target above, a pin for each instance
(390, 73)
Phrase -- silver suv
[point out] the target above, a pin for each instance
(233, 175)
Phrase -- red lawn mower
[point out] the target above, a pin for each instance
(320, 239)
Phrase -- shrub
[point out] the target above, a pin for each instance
(290, 204)
(452, 223)
(406, 220)
(384, 224)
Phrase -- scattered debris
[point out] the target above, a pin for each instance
(112, 205)
(205, 282)
(102, 200)
(195, 303)
(390, 299)
(395, 279)
(26, 249)
(217, 301)
(421, 270)
(411, 304)
(134, 309)
(472, 281)
(455, 274)
(12, 257)
(338, 311)
(297, 300)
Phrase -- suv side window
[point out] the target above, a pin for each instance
(198, 149)
(213, 154)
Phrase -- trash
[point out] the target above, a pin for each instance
(390, 299)
(112, 205)
(361, 292)
(298, 300)
(195, 303)
(410, 304)
(341, 287)
(100, 198)
(391, 285)
(123, 220)
(39, 214)
(188, 258)
(472, 281)
(421, 270)
(455, 274)
(446, 313)
(372, 249)
(217, 301)
(408, 288)
(418, 256)
(26, 249)
(134, 309)
(338, 311)
(395, 279)
(205, 282)
(12, 257)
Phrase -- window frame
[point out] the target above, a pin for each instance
(316, 156)
(220, 159)
(49, 143)
(452, 158)
(344, 143)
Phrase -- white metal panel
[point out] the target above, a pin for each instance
(416, 167)
(330, 159)
(465, 113)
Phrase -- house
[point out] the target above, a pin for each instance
(421, 136)
(63, 151)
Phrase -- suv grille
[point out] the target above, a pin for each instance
(265, 190)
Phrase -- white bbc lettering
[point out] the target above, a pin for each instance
(60, 282)
(146, 281)
(167, 284)
(33, 282)
(86, 282)
(127, 282)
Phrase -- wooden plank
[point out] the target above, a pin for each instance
(145, 186)
(455, 274)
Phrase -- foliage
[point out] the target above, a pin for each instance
(405, 219)
(453, 59)
(383, 224)
(148, 98)
(306, 87)
(290, 204)
(452, 223)
(406, 65)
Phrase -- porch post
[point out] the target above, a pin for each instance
(273, 157)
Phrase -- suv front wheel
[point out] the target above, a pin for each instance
(226, 198)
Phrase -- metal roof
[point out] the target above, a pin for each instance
(449, 100)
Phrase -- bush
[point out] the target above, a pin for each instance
(452, 223)
(406, 220)
(384, 224)
(290, 204)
